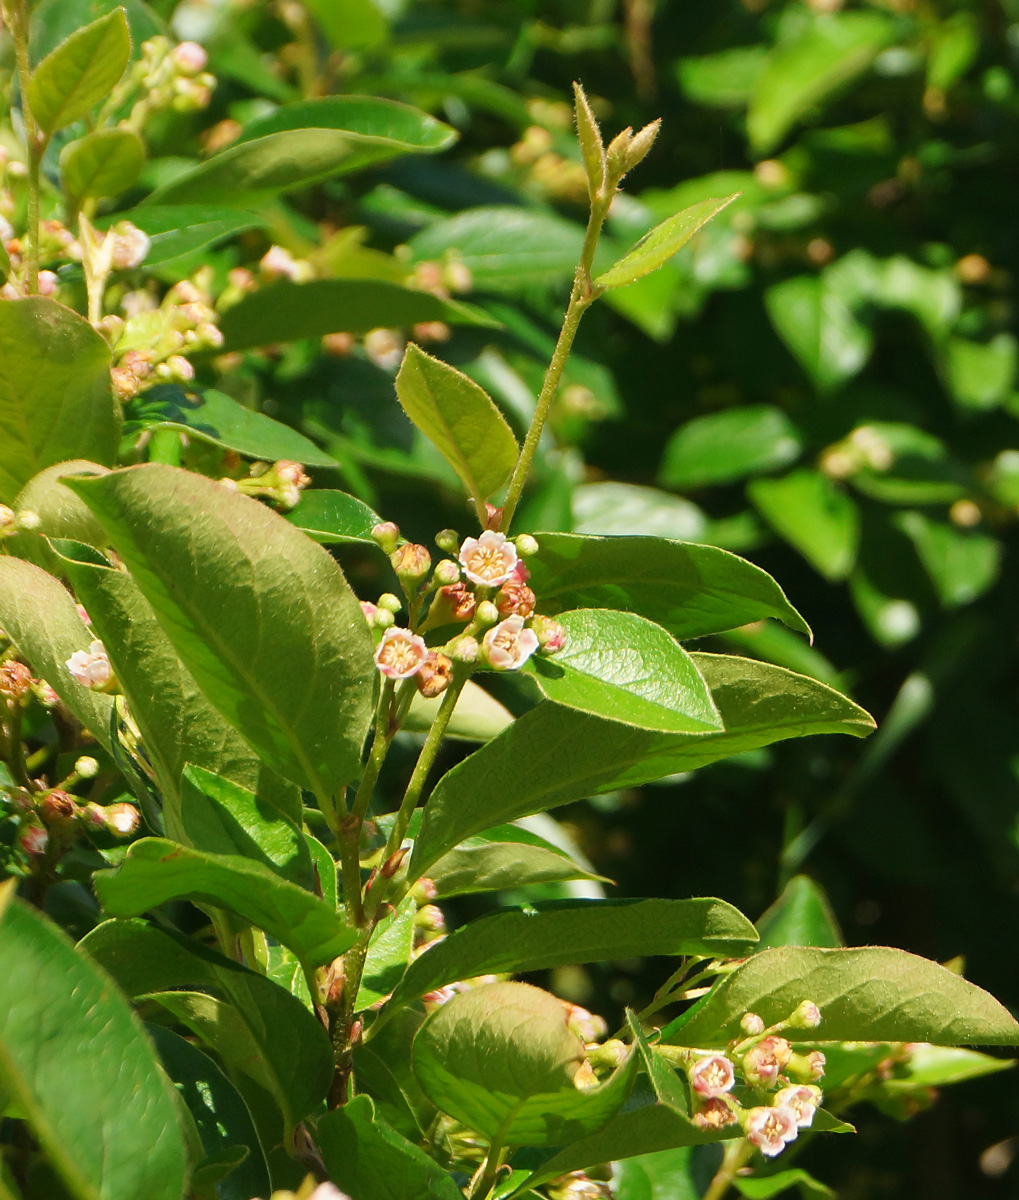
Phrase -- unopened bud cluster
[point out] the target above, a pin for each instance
(281, 482)
(168, 77)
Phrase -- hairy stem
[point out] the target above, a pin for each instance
(384, 733)
(737, 1153)
(15, 14)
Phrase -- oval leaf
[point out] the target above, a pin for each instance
(333, 518)
(625, 668)
(657, 247)
(801, 916)
(726, 446)
(79, 72)
(102, 163)
(77, 1064)
(261, 616)
(459, 418)
(177, 229)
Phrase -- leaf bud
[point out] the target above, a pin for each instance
(386, 535)
(589, 137)
(86, 768)
(390, 602)
(447, 572)
(486, 614)
(526, 545)
(806, 1016)
(434, 675)
(751, 1024)
(411, 562)
(448, 540)
(393, 863)
(615, 156)
(640, 144)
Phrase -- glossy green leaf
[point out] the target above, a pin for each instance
(389, 951)
(477, 717)
(102, 163)
(41, 619)
(177, 723)
(78, 1065)
(214, 417)
(872, 994)
(577, 931)
(504, 857)
(303, 143)
(763, 1187)
(80, 72)
(55, 398)
(460, 419)
(612, 509)
(156, 870)
(801, 916)
(625, 668)
(759, 704)
(333, 517)
(53, 511)
(962, 563)
(178, 229)
(660, 1175)
(221, 1120)
(727, 446)
(806, 69)
(261, 616)
(271, 1038)
(938, 1066)
(814, 515)
(472, 1063)
(813, 319)
(285, 311)
(369, 1159)
(657, 247)
(691, 590)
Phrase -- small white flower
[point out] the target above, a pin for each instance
(91, 668)
(130, 245)
(489, 560)
(509, 645)
(769, 1129)
(712, 1076)
(278, 263)
(803, 1101)
(400, 653)
(48, 281)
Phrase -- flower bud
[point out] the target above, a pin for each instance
(91, 668)
(806, 1068)
(806, 1016)
(19, 799)
(369, 611)
(711, 1076)
(526, 545)
(424, 890)
(8, 522)
(446, 573)
(488, 560)
(190, 58)
(130, 245)
(434, 675)
(486, 613)
(515, 599)
(770, 1129)
(452, 603)
(15, 680)
(86, 768)
(714, 1114)
(400, 653)
(48, 281)
(291, 472)
(384, 348)
(448, 540)
(33, 839)
(550, 634)
(509, 645)
(763, 1062)
(383, 619)
(464, 649)
(92, 816)
(122, 819)
(588, 1026)
(752, 1024)
(411, 562)
(429, 919)
(606, 1055)
(390, 602)
(57, 808)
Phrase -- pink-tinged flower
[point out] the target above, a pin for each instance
(489, 560)
(714, 1114)
(122, 819)
(769, 1129)
(33, 839)
(802, 1100)
(712, 1076)
(509, 645)
(806, 1016)
(520, 572)
(15, 680)
(763, 1062)
(588, 1026)
(91, 668)
(190, 58)
(130, 245)
(291, 472)
(400, 653)
(434, 675)
(805, 1068)
(550, 634)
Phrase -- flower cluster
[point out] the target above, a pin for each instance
(282, 482)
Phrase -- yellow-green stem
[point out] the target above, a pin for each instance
(383, 736)
(736, 1155)
(16, 19)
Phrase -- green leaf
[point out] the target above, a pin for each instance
(660, 1175)
(762, 1187)
(577, 931)
(814, 515)
(389, 952)
(55, 398)
(759, 704)
(217, 418)
(350, 24)
(221, 817)
(691, 590)
(41, 619)
(177, 723)
(625, 668)
(477, 717)
(303, 143)
(285, 311)
(905, 465)
(261, 616)
(80, 72)
(962, 563)
(872, 994)
(625, 508)
(273, 1037)
(5, 263)
(657, 247)
(938, 1066)
(813, 319)
(981, 374)
(504, 857)
(52, 511)
(221, 1119)
(472, 1063)
(102, 163)
(156, 870)
(334, 517)
(726, 446)
(369, 1159)
(78, 1065)
(801, 916)
(459, 418)
(178, 229)
(806, 69)
(723, 80)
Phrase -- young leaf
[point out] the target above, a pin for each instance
(801, 916)
(725, 446)
(156, 870)
(657, 247)
(80, 72)
(333, 518)
(763, 1187)
(389, 952)
(55, 398)
(261, 616)
(691, 590)
(459, 418)
(759, 704)
(472, 1063)
(577, 931)
(872, 994)
(589, 137)
(625, 668)
(102, 163)
(76, 1063)
(367, 1158)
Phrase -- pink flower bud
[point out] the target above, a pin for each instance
(508, 645)
(515, 599)
(806, 1016)
(57, 808)
(48, 281)
(178, 369)
(278, 263)
(763, 1062)
(93, 816)
(714, 1114)
(802, 1100)
(291, 472)
(46, 696)
(190, 58)
(588, 1026)
(806, 1068)
(15, 680)
(411, 561)
(464, 649)
(130, 245)
(424, 890)
(33, 839)
(488, 560)
(434, 675)
(752, 1024)
(550, 634)
(122, 819)
(446, 573)
(91, 668)
(400, 653)
(369, 610)
(770, 1129)
(429, 918)
(384, 348)
(712, 1076)
(8, 521)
